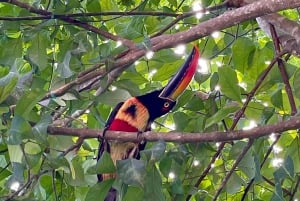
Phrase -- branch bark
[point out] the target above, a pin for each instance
(179, 137)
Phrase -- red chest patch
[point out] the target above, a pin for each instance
(120, 125)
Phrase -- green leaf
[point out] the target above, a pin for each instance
(114, 97)
(28, 101)
(131, 171)
(136, 78)
(20, 129)
(214, 80)
(278, 194)
(17, 176)
(165, 166)
(257, 163)
(32, 148)
(220, 115)
(153, 186)
(93, 6)
(129, 86)
(276, 98)
(156, 152)
(76, 177)
(104, 165)
(289, 167)
(15, 153)
(7, 83)
(39, 130)
(133, 193)
(58, 162)
(63, 68)
(247, 165)
(267, 113)
(200, 78)
(242, 49)
(234, 184)
(229, 83)
(180, 120)
(99, 191)
(296, 83)
(177, 186)
(166, 71)
(37, 52)
(33, 160)
(14, 50)
(109, 5)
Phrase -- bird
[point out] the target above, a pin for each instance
(136, 114)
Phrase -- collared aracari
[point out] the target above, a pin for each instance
(137, 114)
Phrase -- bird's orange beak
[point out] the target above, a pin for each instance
(182, 78)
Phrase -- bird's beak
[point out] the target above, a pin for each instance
(182, 78)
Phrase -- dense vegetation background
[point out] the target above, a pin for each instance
(65, 64)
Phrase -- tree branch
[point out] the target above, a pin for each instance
(283, 71)
(223, 21)
(180, 137)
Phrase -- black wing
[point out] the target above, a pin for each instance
(103, 144)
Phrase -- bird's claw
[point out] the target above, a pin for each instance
(140, 137)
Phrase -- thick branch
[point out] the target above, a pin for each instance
(180, 137)
(223, 21)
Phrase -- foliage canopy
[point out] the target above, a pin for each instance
(56, 55)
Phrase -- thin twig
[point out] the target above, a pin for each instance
(26, 185)
(283, 71)
(296, 189)
(54, 184)
(189, 14)
(270, 182)
(75, 146)
(228, 175)
(269, 151)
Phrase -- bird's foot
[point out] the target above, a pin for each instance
(140, 137)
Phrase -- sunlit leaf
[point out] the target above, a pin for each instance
(242, 49)
(296, 84)
(15, 153)
(229, 83)
(221, 114)
(7, 83)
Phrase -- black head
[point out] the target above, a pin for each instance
(156, 105)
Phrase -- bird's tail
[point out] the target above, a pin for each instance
(112, 195)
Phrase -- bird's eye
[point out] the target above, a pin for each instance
(166, 104)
